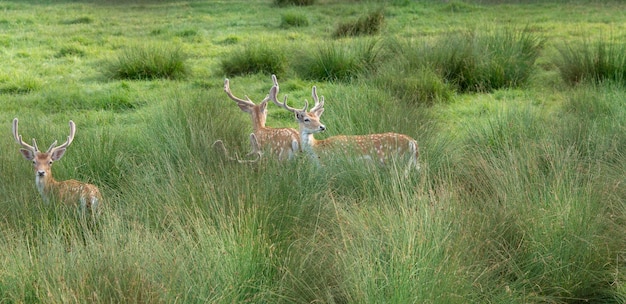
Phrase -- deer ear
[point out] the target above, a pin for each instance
(57, 154)
(263, 105)
(28, 154)
(319, 112)
(244, 107)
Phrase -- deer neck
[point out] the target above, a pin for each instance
(308, 142)
(258, 120)
(45, 184)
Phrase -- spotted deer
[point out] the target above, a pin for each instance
(381, 147)
(284, 143)
(69, 191)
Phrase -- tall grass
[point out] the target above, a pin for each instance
(149, 61)
(333, 61)
(519, 200)
(519, 215)
(476, 61)
(594, 62)
(294, 20)
(545, 215)
(255, 57)
(369, 24)
(406, 250)
(420, 86)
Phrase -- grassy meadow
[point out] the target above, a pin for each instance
(518, 108)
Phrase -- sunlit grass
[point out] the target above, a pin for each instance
(519, 200)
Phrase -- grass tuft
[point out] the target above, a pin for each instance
(294, 2)
(80, 20)
(294, 20)
(456, 6)
(593, 62)
(475, 61)
(422, 86)
(149, 61)
(369, 24)
(19, 83)
(334, 61)
(70, 51)
(254, 58)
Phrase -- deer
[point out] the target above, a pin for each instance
(381, 147)
(284, 143)
(69, 191)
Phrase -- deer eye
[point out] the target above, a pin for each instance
(307, 120)
(50, 163)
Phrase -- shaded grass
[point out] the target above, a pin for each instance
(369, 24)
(592, 61)
(70, 51)
(293, 20)
(294, 2)
(475, 61)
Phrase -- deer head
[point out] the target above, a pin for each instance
(42, 161)
(309, 121)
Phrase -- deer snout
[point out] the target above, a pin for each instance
(41, 172)
(322, 128)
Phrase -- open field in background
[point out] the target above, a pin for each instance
(521, 197)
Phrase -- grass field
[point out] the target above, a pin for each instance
(518, 108)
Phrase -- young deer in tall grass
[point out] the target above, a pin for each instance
(282, 142)
(69, 191)
(382, 147)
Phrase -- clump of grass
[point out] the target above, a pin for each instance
(254, 58)
(593, 62)
(70, 51)
(294, 2)
(294, 20)
(19, 84)
(369, 24)
(334, 61)
(422, 86)
(229, 40)
(150, 61)
(456, 6)
(187, 33)
(80, 20)
(477, 61)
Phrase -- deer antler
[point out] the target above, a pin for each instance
(69, 140)
(219, 144)
(18, 139)
(256, 148)
(274, 97)
(318, 104)
(240, 101)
